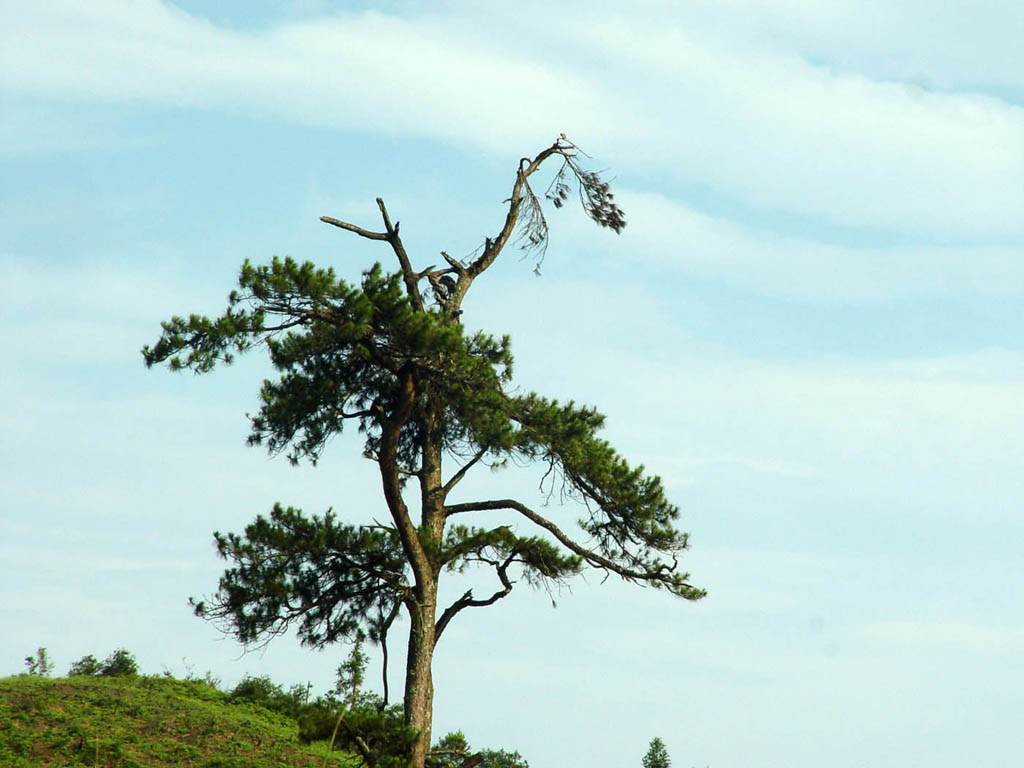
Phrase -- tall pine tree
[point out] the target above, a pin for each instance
(434, 402)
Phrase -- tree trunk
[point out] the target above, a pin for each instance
(419, 685)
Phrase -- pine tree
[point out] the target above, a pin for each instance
(657, 755)
(434, 402)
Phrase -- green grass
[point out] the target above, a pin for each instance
(144, 722)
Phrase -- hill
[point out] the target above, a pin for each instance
(144, 722)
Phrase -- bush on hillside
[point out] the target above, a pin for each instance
(87, 665)
(120, 663)
(261, 690)
(453, 749)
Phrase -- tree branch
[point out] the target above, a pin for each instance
(454, 479)
(467, 601)
(495, 246)
(364, 749)
(408, 275)
(385, 625)
(391, 236)
(664, 574)
(389, 470)
(353, 228)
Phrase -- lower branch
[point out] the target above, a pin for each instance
(385, 625)
(467, 601)
(663, 575)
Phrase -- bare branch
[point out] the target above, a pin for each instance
(353, 228)
(390, 235)
(454, 479)
(458, 266)
(467, 601)
(385, 625)
(526, 168)
(408, 275)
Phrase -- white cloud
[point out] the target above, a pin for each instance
(762, 126)
(780, 133)
(672, 234)
(925, 436)
(366, 71)
(899, 429)
(945, 45)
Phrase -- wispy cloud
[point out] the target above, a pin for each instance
(781, 133)
(765, 127)
(931, 45)
(671, 234)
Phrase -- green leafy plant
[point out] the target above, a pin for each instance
(120, 663)
(39, 663)
(87, 665)
(453, 751)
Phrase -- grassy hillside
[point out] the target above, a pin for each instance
(143, 722)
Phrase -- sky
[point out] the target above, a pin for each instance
(810, 329)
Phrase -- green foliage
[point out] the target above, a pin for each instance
(39, 663)
(657, 755)
(263, 691)
(334, 577)
(539, 558)
(396, 363)
(367, 726)
(341, 351)
(155, 722)
(87, 665)
(120, 663)
(257, 690)
(380, 736)
(351, 675)
(338, 348)
(453, 749)
(454, 742)
(208, 678)
(500, 758)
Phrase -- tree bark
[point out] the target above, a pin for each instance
(419, 683)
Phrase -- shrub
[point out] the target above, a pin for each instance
(120, 663)
(453, 749)
(382, 731)
(263, 691)
(87, 665)
(257, 690)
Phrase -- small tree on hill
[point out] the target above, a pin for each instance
(39, 663)
(657, 755)
(120, 663)
(434, 401)
(87, 665)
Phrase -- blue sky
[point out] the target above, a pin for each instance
(811, 329)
